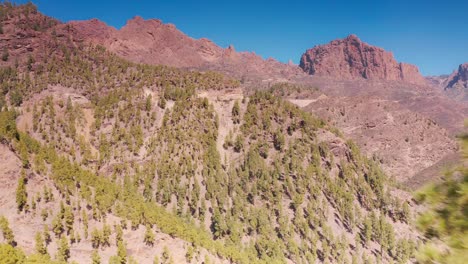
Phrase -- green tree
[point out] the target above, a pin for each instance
(148, 103)
(95, 258)
(106, 232)
(68, 219)
(156, 260)
(122, 252)
(40, 244)
(149, 236)
(367, 231)
(16, 98)
(11, 255)
(57, 225)
(278, 140)
(95, 238)
(7, 232)
(63, 251)
(162, 102)
(236, 112)
(238, 143)
(21, 193)
(46, 234)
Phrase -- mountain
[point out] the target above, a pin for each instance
(108, 160)
(143, 145)
(350, 58)
(454, 85)
(153, 42)
(458, 78)
(457, 83)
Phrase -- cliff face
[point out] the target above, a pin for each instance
(350, 58)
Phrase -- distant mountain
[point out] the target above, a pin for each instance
(455, 85)
(458, 78)
(350, 58)
(153, 42)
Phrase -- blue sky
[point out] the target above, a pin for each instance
(431, 34)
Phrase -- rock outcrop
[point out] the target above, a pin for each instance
(458, 78)
(350, 58)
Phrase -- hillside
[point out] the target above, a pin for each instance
(399, 84)
(128, 162)
(143, 145)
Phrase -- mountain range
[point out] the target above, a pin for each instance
(144, 145)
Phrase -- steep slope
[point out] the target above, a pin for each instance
(350, 58)
(404, 142)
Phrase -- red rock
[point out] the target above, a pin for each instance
(458, 78)
(153, 42)
(350, 58)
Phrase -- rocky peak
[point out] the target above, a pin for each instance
(153, 42)
(350, 58)
(458, 78)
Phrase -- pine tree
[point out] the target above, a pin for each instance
(122, 252)
(367, 230)
(95, 258)
(235, 113)
(21, 194)
(46, 234)
(57, 225)
(40, 245)
(7, 232)
(95, 238)
(162, 102)
(63, 252)
(149, 236)
(106, 232)
(118, 234)
(148, 103)
(69, 219)
(278, 140)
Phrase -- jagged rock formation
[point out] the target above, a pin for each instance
(350, 58)
(153, 42)
(454, 85)
(458, 78)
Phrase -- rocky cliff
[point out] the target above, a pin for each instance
(350, 58)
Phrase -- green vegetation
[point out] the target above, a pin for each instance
(269, 196)
(7, 232)
(21, 193)
(445, 223)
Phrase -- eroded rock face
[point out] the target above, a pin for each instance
(350, 58)
(458, 78)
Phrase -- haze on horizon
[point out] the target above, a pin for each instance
(431, 35)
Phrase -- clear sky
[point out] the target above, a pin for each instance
(431, 34)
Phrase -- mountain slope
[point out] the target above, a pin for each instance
(110, 152)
